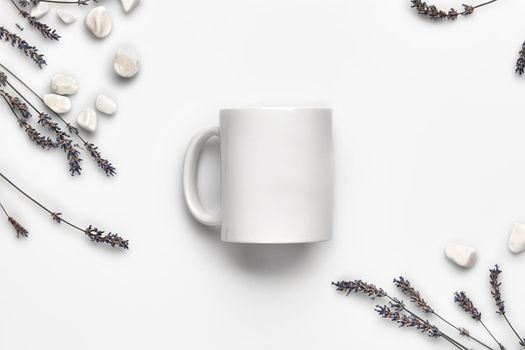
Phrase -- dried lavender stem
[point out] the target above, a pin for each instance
(492, 335)
(460, 331)
(485, 3)
(38, 203)
(93, 233)
(46, 31)
(496, 295)
(514, 330)
(3, 209)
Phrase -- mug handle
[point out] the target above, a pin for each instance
(191, 163)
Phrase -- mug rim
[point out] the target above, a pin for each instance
(277, 108)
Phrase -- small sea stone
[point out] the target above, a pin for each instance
(129, 5)
(106, 105)
(99, 22)
(517, 238)
(126, 64)
(59, 104)
(62, 84)
(461, 255)
(40, 10)
(66, 16)
(88, 120)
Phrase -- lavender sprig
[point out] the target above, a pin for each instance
(496, 295)
(91, 232)
(34, 135)
(358, 286)
(17, 104)
(114, 240)
(20, 230)
(467, 305)
(46, 31)
(405, 287)
(434, 13)
(21, 44)
(408, 321)
(64, 141)
(415, 297)
(102, 163)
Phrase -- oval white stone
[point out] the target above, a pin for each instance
(66, 16)
(99, 22)
(126, 64)
(40, 10)
(129, 5)
(59, 104)
(461, 255)
(106, 105)
(517, 238)
(88, 120)
(64, 85)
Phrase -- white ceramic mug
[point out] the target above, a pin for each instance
(277, 175)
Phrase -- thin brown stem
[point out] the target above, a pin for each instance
(459, 330)
(492, 335)
(484, 4)
(5, 211)
(38, 203)
(514, 330)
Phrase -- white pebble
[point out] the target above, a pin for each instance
(126, 64)
(129, 5)
(99, 22)
(88, 119)
(66, 16)
(40, 10)
(517, 238)
(64, 85)
(461, 255)
(106, 105)
(59, 104)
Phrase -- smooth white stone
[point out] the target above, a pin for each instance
(59, 104)
(88, 119)
(126, 64)
(106, 105)
(66, 16)
(40, 10)
(62, 84)
(99, 22)
(461, 255)
(517, 238)
(129, 5)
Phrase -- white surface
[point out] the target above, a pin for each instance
(428, 123)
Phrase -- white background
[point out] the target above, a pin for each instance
(429, 125)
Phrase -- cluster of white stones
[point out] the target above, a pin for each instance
(63, 85)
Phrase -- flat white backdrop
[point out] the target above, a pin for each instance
(429, 128)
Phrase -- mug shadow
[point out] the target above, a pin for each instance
(255, 258)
